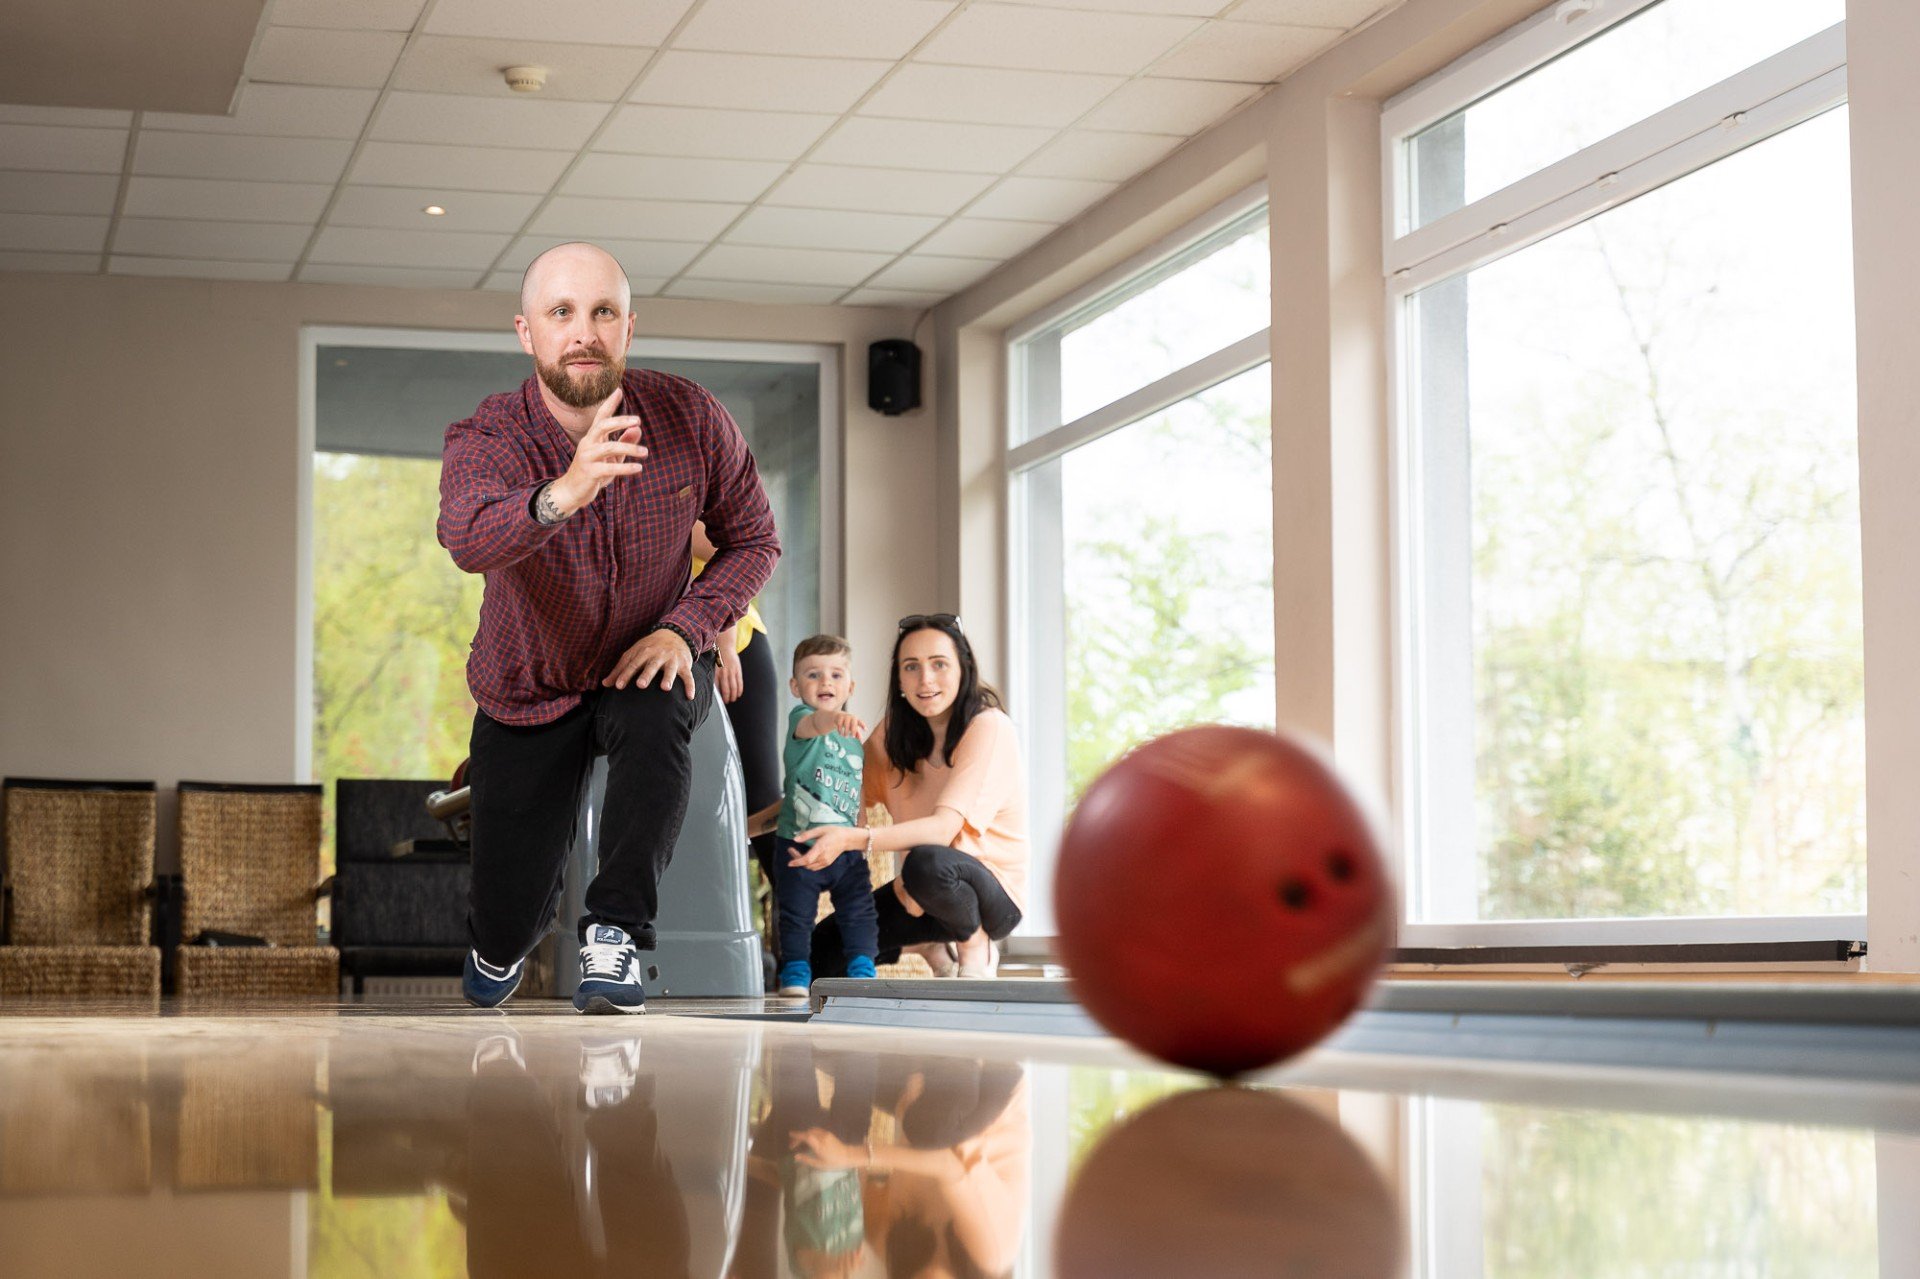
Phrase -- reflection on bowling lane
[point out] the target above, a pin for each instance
(918, 1165)
(333, 1146)
(1225, 1182)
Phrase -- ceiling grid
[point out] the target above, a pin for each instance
(852, 152)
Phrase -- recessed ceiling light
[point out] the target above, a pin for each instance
(433, 210)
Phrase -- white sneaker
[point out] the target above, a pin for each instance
(607, 1072)
(609, 973)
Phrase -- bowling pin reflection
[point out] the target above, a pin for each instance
(870, 1166)
(1228, 1182)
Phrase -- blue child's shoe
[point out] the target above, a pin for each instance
(795, 978)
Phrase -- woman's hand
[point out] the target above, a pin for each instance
(827, 843)
(818, 1148)
(728, 680)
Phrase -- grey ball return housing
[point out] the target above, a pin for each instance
(707, 945)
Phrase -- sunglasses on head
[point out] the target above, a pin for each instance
(916, 621)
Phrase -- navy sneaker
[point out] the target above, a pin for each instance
(486, 986)
(609, 972)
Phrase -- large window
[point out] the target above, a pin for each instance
(393, 618)
(1629, 546)
(1141, 472)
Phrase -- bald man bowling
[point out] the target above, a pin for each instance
(576, 495)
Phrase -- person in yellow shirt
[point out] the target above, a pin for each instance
(748, 682)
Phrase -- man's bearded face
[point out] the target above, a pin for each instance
(583, 378)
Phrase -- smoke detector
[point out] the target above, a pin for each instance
(525, 79)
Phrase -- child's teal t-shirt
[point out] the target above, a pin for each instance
(823, 779)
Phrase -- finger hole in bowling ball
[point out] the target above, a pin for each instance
(1296, 894)
(1340, 866)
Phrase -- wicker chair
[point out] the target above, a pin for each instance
(250, 865)
(79, 872)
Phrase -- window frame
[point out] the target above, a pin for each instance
(1774, 95)
(1041, 724)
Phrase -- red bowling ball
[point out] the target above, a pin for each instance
(1221, 899)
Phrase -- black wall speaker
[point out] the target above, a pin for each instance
(893, 377)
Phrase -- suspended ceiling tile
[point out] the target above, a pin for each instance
(509, 282)
(788, 266)
(1040, 199)
(832, 186)
(58, 192)
(654, 177)
(280, 110)
(52, 232)
(819, 28)
(338, 59)
(1250, 52)
(1002, 35)
(404, 209)
(628, 22)
(925, 272)
(686, 78)
(1177, 8)
(215, 155)
(227, 241)
(467, 65)
(831, 229)
(218, 200)
(1345, 14)
(639, 258)
(53, 263)
(580, 217)
(350, 15)
(198, 268)
(895, 298)
(461, 120)
(459, 168)
(1085, 153)
(395, 277)
(1155, 105)
(62, 150)
(930, 144)
(717, 134)
(985, 95)
(65, 117)
(369, 246)
(750, 291)
(986, 238)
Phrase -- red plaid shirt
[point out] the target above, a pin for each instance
(564, 601)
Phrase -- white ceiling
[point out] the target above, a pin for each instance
(865, 152)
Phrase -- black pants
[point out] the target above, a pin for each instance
(958, 893)
(527, 789)
(755, 716)
(796, 891)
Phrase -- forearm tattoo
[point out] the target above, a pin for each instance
(544, 508)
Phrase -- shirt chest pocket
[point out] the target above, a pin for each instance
(663, 507)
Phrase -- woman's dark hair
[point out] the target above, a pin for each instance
(909, 736)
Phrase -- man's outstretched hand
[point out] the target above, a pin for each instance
(610, 449)
(662, 653)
